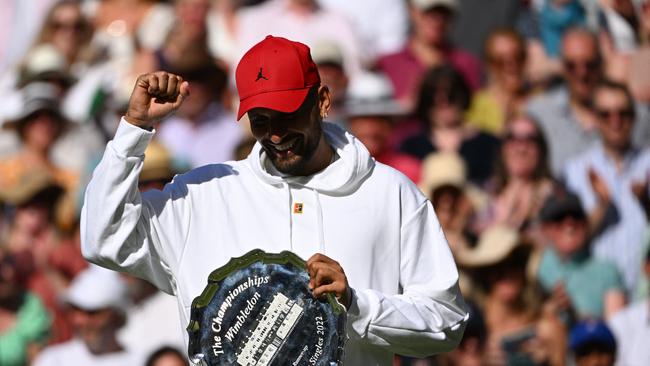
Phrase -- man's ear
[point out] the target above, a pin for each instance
(324, 101)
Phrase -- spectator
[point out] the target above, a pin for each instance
(631, 326)
(428, 46)
(38, 125)
(556, 17)
(24, 322)
(443, 100)
(518, 330)
(372, 113)
(593, 286)
(121, 26)
(444, 181)
(97, 303)
(522, 180)
(186, 46)
(505, 93)
(603, 177)
(48, 262)
(166, 356)
(328, 56)
(593, 344)
(191, 134)
(455, 201)
(66, 28)
(303, 21)
(564, 112)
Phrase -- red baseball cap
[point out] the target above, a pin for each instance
(276, 74)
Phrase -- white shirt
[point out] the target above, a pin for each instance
(631, 327)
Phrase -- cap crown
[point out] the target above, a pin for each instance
(275, 64)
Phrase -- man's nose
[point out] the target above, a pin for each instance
(277, 131)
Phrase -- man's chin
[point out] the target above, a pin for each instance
(292, 166)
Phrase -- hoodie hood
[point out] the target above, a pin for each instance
(341, 177)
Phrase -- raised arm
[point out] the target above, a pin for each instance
(120, 229)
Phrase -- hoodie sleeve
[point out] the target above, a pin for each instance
(124, 230)
(429, 315)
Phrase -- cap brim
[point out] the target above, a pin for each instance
(285, 101)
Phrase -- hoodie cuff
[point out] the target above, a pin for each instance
(131, 140)
(359, 314)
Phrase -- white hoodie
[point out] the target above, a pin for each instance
(363, 214)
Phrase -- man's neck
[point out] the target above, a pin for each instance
(322, 158)
(617, 154)
(427, 53)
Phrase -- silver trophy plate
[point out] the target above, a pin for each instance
(257, 310)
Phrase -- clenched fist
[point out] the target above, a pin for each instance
(154, 97)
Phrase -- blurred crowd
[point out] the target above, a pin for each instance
(525, 122)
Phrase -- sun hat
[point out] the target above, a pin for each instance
(30, 184)
(327, 52)
(157, 164)
(495, 244)
(97, 288)
(45, 62)
(448, 169)
(36, 96)
(442, 169)
(276, 74)
(371, 94)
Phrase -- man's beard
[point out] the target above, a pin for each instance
(305, 150)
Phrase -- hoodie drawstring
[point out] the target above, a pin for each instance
(319, 223)
(286, 186)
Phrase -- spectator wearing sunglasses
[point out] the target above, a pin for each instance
(522, 179)
(604, 177)
(565, 112)
(505, 93)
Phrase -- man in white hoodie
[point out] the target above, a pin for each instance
(307, 187)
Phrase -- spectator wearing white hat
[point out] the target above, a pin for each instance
(328, 56)
(39, 125)
(372, 112)
(97, 300)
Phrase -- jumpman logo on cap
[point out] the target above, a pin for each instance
(261, 76)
